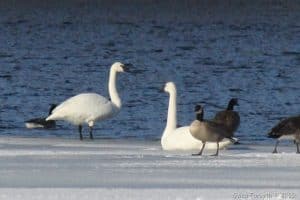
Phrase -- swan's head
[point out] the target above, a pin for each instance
(119, 67)
(170, 87)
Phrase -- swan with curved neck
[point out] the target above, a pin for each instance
(87, 108)
(174, 138)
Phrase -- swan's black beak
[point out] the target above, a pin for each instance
(126, 68)
(162, 89)
(131, 69)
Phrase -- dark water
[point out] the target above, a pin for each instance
(212, 51)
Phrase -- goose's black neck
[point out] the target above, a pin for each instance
(230, 105)
(199, 116)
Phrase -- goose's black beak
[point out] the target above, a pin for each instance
(198, 108)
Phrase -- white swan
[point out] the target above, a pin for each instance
(91, 107)
(174, 138)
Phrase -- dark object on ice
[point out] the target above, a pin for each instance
(41, 122)
(229, 117)
(286, 129)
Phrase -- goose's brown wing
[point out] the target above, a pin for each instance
(230, 119)
(285, 127)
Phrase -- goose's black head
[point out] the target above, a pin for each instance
(199, 112)
(233, 102)
(198, 108)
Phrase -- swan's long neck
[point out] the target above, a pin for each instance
(113, 93)
(172, 119)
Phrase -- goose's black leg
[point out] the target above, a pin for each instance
(91, 133)
(80, 132)
(298, 150)
(275, 149)
(217, 153)
(200, 153)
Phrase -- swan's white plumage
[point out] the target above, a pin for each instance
(84, 108)
(180, 138)
(91, 107)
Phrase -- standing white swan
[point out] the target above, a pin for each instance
(91, 107)
(174, 138)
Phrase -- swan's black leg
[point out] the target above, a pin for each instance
(275, 149)
(91, 133)
(80, 132)
(217, 153)
(298, 150)
(200, 153)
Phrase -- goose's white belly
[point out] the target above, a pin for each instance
(287, 137)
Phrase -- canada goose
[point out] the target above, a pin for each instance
(229, 117)
(207, 131)
(180, 138)
(41, 122)
(91, 107)
(286, 129)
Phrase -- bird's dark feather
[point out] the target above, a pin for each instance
(285, 127)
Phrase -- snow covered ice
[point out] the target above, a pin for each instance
(50, 168)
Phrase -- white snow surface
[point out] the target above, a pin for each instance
(52, 168)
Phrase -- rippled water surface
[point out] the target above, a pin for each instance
(49, 52)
